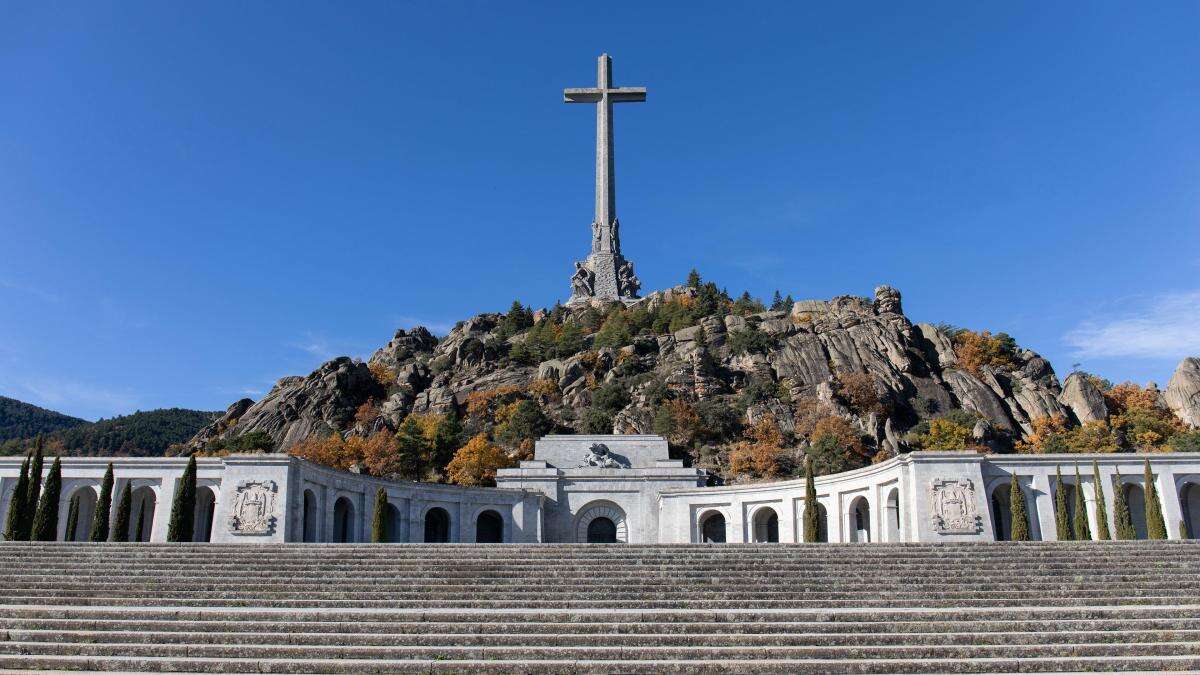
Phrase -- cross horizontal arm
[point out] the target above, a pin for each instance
(616, 95)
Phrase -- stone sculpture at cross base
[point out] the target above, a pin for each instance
(606, 274)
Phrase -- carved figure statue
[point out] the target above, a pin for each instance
(582, 281)
(596, 235)
(599, 456)
(627, 281)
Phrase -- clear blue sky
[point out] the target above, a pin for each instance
(199, 198)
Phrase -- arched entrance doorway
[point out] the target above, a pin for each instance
(603, 514)
(141, 514)
(391, 524)
(893, 515)
(712, 528)
(1135, 497)
(489, 528)
(766, 526)
(437, 526)
(84, 503)
(343, 521)
(206, 507)
(1189, 500)
(860, 520)
(602, 530)
(310, 516)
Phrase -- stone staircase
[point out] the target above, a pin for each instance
(572, 608)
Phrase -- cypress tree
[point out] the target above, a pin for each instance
(1102, 532)
(1062, 523)
(1183, 530)
(45, 521)
(183, 506)
(1082, 531)
(72, 518)
(120, 531)
(1121, 517)
(16, 505)
(103, 507)
(33, 492)
(379, 522)
(1156, 527)
(1020, 521)
(812, 528)
(137, 523)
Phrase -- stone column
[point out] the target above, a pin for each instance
(1168, 496)
(1039, 486)
(162, 507)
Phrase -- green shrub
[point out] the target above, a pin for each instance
(45, 521)
(1102, 533)
(183, 506)
(1080, 526)
(1020, 517)
(14, 522)
(120, 529)
(1156, 528)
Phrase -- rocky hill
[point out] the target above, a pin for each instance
(738, 388)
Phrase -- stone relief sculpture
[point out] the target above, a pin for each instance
(253, 510)
(599, 456)
(582, 282)
(952, 506)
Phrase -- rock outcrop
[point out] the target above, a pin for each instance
(753, 365)
(1183, 392)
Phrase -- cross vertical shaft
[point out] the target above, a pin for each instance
(606, 195)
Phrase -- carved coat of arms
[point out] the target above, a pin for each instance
(952, 507)
(253, 509)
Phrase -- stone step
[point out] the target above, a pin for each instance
(775, 665)
(658, 638)
(618, 652)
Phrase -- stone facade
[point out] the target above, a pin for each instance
(626, 489)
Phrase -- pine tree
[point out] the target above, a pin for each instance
(1082, 531)
(379, 522)
(447, 438)
(1020, 521)
(1121, 517)
(1062, 523)
(693, 279)
(33, 492)
(776, 302)
(120, 529)
(72, 518)
(1102, 532)
(99, 530)
(1156, 527)
(183, 506)
(45, 521)
(812, 528)
(16, 505)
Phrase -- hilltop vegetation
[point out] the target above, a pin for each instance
(25, 420)
(142, 434)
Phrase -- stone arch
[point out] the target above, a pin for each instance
(343, 520)
(765, 524)
(713, 528)
(860, 520)
(1189, 502)
(141, 513)
(206, 508)
(437, 525)
(87, 498)
(1135, 497)
(893, 515)
(601, 511)
(391, 524)
(309, 529)
(1001, 511)
(489, 527)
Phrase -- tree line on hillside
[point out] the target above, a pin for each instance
(141, 434)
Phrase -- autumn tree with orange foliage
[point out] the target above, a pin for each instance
(976, 350)
(476, 463)
(858, 390)
(760, 454)
(678, 422)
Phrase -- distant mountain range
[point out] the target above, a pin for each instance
(142, 434)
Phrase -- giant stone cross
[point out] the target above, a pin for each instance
(605, 275)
